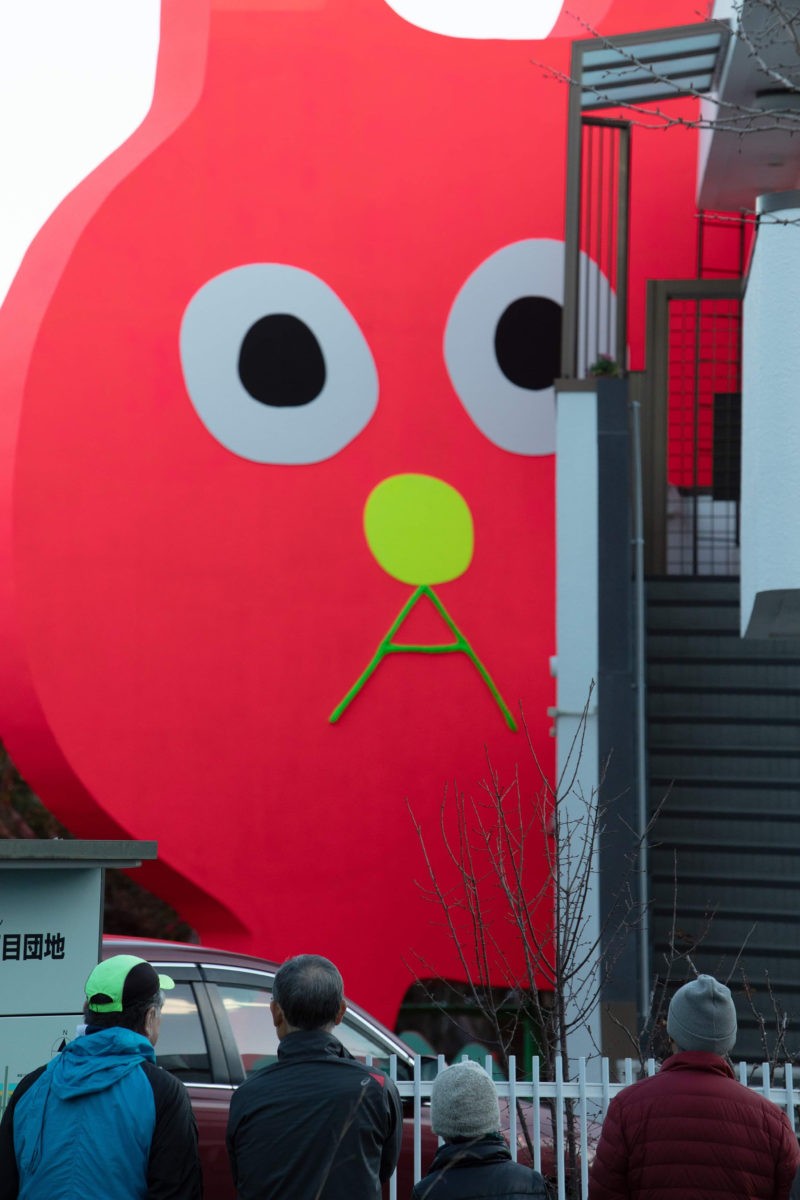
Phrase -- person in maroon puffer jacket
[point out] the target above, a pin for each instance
(693, 1131)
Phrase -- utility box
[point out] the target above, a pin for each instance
(51, 925)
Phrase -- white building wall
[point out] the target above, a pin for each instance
(577, 642)
(770, 523)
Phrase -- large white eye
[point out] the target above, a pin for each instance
(511, 19)
(502, 343)
(275, 365)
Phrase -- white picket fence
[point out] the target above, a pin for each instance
(591, 1097)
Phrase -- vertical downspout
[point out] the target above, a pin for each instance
(642, 805)
(572, 230)
(623, 236)
(635, 384)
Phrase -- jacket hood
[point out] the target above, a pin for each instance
(96, 1061)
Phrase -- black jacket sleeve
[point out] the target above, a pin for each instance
(9, 1175)
(173, 1169)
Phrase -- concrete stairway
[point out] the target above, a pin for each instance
(724, 757)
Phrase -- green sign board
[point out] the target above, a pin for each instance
(51, 912)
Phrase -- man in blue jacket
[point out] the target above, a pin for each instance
(101, 1119)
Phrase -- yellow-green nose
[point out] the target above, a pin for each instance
(419, 529)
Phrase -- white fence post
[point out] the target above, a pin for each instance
(583, 1117)
(512, 1105)
(536, 1100)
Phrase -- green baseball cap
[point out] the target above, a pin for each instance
(122, 980)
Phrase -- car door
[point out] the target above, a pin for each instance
(191, 1048)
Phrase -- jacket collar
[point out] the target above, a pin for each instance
(698, 1060)
(311, 1043)
(489, 1149)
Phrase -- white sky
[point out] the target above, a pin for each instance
(482, 18)
(76, 77)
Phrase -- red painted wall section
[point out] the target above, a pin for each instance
(188, 587)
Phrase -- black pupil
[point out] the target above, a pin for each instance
(527, 342)
(281, 362)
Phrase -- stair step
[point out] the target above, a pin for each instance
(720, 704)
(738, 861)
(711, 618)
(732, 674)
(718, 734)
(768, 837)
(778, 890)
(693, 645)
(685, 590)
(731, 958)
(734, 911)
(757, 764)
(767, 937)
(686, 803)
(761, 951)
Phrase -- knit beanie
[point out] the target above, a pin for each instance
(702, 1016)
(464, 1102)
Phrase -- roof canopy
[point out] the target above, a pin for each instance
(641, 67)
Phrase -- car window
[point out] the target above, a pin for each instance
(181, 1048)
(362, 1043)
(251, 1024)
(257, 1041)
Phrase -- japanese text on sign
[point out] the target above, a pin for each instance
(27, 947)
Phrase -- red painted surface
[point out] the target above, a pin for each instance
(177, 623)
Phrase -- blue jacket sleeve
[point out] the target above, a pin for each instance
(9, 1175)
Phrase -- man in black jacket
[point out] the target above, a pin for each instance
(474, 1163)
(317, 1124)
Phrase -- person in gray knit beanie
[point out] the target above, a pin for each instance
(701, 1016)
(464, 1103)
(475, 1162)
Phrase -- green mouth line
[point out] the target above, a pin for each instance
(459, 646)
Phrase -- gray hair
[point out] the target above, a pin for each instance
(133, 1017)
(309, 990)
